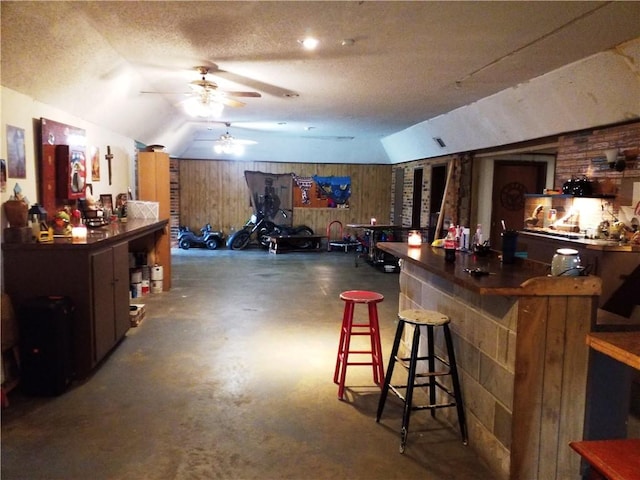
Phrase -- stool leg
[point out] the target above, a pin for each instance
(456, 384)
(376, 347)
(345, 316)
(392, 362)
(431, 361)
(343, 355)
(406, 415)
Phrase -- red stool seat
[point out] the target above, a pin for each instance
(349, 329)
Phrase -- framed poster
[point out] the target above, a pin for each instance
(95, 164)
(16, 152)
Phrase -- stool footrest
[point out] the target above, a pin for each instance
(404, 361)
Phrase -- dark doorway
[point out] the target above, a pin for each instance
(416, 208)
(511, 181)
(438, 183)
(398, 197)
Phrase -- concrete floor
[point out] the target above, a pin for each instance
(230, 376)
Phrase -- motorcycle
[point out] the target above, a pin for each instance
(260, 228)
(208, 238)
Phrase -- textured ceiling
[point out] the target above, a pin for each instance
(410, 61)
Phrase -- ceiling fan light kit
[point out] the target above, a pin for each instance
(230, 145)
(309, 43)
(228, 148)
(203, 107)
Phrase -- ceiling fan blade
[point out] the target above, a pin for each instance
(165, 93)
(242, 94)
(229, 102)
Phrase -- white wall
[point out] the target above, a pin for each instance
(603, 89)
(23, 112)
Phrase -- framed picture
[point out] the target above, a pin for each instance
(3, 175)
(107, 201)
(16, 152)
(95, 164)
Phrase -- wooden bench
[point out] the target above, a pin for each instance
(611, 459)
(293, 243)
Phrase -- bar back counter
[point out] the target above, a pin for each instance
(94, 274)
(520, 346)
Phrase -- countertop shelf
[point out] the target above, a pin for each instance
(96, 237)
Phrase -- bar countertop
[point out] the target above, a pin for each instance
(97, 237)
(622, 346)
(522, 278)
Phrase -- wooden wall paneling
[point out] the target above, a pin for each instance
(216, 191)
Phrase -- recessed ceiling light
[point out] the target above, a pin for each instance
(309, 43)
(348, 42)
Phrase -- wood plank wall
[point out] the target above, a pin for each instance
(215, 191)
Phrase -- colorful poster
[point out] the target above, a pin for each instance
(322, 192)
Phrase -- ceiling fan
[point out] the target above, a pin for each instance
(210, 89)
(228, 144)
(206, 99)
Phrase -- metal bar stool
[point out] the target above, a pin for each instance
(426, 319)
(349, 329)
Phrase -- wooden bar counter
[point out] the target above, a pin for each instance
(519, 338)
(94, 273)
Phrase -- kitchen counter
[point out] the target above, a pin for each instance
(617, 266)
(523, 362)
(589, 243)
(93, 274)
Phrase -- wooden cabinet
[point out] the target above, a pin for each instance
(94, 274)
(153, 185)
(71, 173)
(110, 295)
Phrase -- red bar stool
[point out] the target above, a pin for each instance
(349, 329)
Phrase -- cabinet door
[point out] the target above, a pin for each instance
(104, 332)
(70, 172)
(121, 289)
(110, 277)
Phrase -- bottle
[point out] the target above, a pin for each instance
(478, 236)
(450, 246)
